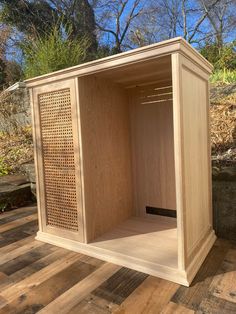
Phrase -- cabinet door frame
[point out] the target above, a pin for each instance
(38, 154)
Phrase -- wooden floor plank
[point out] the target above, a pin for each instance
(214, 305)
(2, 277)
(173, 308)
(224, 283)
(36, 298)
(191, 297)
(22, 287)
(18, 233)
(17, 216)
(78, 292)
(16, 223)
(95, 305)
(17, 211)
(120, 285)
(40, 277)
(4, 258)
(15, 245)
(149, 298)
(26, 259)
(31, 269)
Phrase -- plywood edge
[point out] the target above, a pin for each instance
(153, 51)
(157, 270)
(199, 258)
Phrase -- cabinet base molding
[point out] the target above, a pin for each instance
(179, 276)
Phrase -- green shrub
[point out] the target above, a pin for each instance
(4, 167)
(224, 76)
(52, 53)
(221, 58)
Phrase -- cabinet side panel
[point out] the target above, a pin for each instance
(58, 157)
(57, 154)
(195, 158)
(106, 155)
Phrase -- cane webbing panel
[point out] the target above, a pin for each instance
(58, 159)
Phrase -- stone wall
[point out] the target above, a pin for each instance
(15, 108)
(224, 203)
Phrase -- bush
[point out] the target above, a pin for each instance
(52, 53)
(4, 167)
(223, 76)
(15, 149)
(221, 58)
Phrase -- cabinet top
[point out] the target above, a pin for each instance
(135, 56)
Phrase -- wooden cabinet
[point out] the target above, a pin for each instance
(123, 159)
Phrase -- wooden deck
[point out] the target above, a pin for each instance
(38, 277)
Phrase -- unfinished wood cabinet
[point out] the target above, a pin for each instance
(122, 158)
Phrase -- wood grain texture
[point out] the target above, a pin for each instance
(196, 157)
(13, 224)
(150, 297)
(32, 268)
(106, 155)
(172, 307)
(35, 298)
(192, 296)
(223, 285)
(152, 150)
(211, 304)
(75, 295)
(143, 238)
(49, 279)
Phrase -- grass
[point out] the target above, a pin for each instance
(223, 76)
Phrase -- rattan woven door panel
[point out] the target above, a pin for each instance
(59, 161)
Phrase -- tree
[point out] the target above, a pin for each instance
(115, 18)
(32, 18)
(2, 74)
(223, 58)
(38, 18)
(222, 18)
(13, 72)
(79, 15)
(4, 36)
(165, 19)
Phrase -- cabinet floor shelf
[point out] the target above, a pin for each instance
(151, 239)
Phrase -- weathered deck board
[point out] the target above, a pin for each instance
(37, 277)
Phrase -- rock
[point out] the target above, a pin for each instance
(215, 172)
(224, 208)
(13, 180)
(224, 174)
(33, 189)
(15, 191)
(29, 170)
(217, 92)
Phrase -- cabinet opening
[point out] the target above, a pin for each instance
(129, 161)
